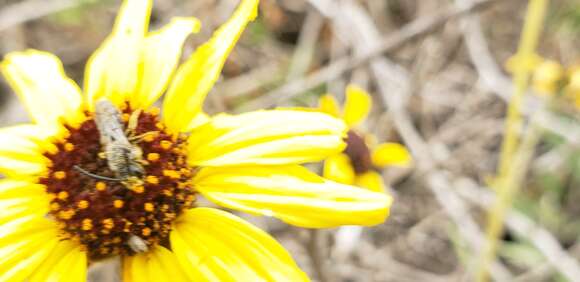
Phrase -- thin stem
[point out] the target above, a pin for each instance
(524, 59)
(315, 250)
(509, 188)
(513, 166)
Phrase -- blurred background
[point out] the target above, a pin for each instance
(437, 72)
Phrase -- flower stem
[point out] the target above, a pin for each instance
(524, 60)
(513, 166)
(315, 251)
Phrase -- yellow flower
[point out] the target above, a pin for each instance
(62, 211)
(358, 164)
(548, 76)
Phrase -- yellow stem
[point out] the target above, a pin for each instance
(508, 173)
(524, 63)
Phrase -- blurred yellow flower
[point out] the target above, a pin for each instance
(548, 77)
(359, 162)
(57, 219)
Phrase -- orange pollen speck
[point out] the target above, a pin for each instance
(149, 207)
(63, 195)
(68, 214)
(59, 174)
(108, 223)
(118, 204)
(138, 189)
(87, 224)
(149, 138)
(152, 157)
(54, 206)
(171, 174)
(100, 186)
(166, 145)
(146, 231)
(167, 193)
(152, 179)
(69, 147)
(127, 226)
(185, 172)
(160, 125)
(126, 117)
(83, 204)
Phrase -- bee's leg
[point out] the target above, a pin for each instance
(139, 138)
(133, 122)
(132, 181)
(102, 155)
(95, 176)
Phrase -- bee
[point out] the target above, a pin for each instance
(137, 244)
(123, 157)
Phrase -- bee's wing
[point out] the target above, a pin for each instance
(109, 122)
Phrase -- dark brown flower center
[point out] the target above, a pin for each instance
(358, 152)
(112, 217)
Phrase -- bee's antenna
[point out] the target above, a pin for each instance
(79, 169)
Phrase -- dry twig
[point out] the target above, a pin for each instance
(389, 43)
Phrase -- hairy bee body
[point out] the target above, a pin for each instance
(123, 158)
(137, 244)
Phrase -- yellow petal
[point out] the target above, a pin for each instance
(20, 153)
(24, 246)
(112, 71)
(160, 55)
(21, 198)
(199, 120)
(11, 188)
(41, 84)
(13, 139)
(266, 137)
(16, 208)
(371, 180)
(327, 104)
(67, 262)
(31, 134)
(357, 105)
(18, 168)
(339, 168)
(391, 154)
(156, 265)
(292, 194)
(195, 78)
(213, 245)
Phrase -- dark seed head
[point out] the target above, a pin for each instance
(358, 152)
(103, 215)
